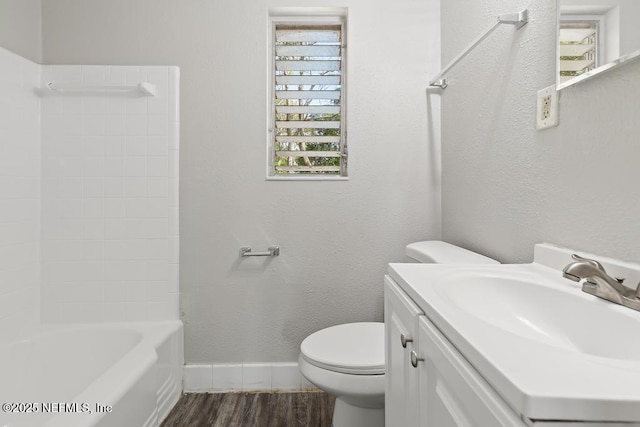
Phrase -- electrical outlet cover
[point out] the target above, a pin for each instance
(547, 108)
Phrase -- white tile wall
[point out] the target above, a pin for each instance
(110, 197)
(19, 195)
(248, 377)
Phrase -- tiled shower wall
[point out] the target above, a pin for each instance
(19, 194)
(109, 196)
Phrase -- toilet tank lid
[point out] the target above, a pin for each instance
(436, 251)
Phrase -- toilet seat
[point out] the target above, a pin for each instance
(352, 348)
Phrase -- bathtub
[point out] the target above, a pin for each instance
(106, 375)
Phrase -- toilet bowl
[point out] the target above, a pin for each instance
(347, 360)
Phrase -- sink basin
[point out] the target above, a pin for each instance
(544, 314)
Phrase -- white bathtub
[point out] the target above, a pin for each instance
(119, 374)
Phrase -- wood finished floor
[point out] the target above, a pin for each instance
(252, 409)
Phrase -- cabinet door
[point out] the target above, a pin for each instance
(401, 388)
(453, 393)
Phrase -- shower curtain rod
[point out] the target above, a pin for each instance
(518, 19)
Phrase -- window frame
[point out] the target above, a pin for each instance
(305, 16)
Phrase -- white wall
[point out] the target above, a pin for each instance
(21, 27)
(19, 195)
(335, 237)
(109, 214)
(506, 185)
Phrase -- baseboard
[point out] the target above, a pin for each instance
(244, 377)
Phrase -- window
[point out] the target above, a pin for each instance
(307, 135)
(588, 37)
(579, 53)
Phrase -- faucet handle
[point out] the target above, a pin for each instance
(593, 262)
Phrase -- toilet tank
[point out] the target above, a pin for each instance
(438, 252)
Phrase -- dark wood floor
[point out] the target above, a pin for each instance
(255, 409)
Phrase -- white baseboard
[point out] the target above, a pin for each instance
(244, 377)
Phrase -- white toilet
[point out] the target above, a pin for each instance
(347, 360)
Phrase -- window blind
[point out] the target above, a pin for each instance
(308, 100)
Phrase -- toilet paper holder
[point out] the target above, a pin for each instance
(271, 251)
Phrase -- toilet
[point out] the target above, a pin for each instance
(347, 360)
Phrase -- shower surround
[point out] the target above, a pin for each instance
(89, 238)
(109, 195)
(19, 195)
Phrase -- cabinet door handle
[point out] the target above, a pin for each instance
(415, 359)
(404, 340)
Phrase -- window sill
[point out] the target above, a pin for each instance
(307, 178)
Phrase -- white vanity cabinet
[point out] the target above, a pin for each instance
(401, 390)
(452, 392)
(436, 386)
(493, 346)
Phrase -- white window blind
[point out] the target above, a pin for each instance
(308, 120)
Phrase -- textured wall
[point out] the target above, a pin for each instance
(21, 27)
(506, 185)
(19, 195)
(335, 237)
(109, 210)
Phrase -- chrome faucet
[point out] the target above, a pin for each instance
(597, 282)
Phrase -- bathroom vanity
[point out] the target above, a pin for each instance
(508, 345)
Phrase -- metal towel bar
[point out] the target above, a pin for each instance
(271, 251)
(517, 19)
